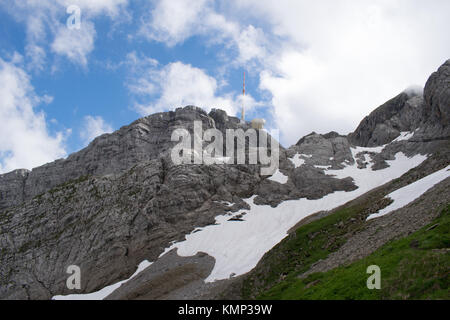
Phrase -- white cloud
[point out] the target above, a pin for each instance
(173, 21)
(75, 44)
(36, 56)
(157, 88)
(326, 64)
(252, 44)
(112, 8)
(94, 127)
(24, 138)
(46, 19)
(178, 85)
(338, 60)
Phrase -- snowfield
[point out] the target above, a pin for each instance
(296, 160)
(411, 192)
(404, 135)
(106, 291)
(237, 246)
(279, 177)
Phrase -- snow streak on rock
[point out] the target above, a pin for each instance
(106, 291)
(411, 192)
(279, 177)
(237, 247)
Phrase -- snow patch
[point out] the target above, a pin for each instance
(106, 291)
(411, 192)
(237, 248)
(405, 135)
(356, 150)
(228, 204)
(279, 177)
(297, 161)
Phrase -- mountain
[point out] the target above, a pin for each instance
(223, 230)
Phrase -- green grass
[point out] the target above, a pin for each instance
(310, 243)
(414, 267)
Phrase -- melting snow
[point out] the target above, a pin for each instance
(297, 161)
(228, 204)
(411, 192)
(405, 135)
(237, 248)
(106, 291)
(279, 177)
(357, 150)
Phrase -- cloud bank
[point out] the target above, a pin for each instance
(158, 88)
(325, 64)
(93, 127)
(25, 141)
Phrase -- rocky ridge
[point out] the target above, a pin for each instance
(121, 200)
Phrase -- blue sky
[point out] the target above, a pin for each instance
(311, 66)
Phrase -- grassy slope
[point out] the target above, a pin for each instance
(317, 237)
(414, 267)
(308, 244)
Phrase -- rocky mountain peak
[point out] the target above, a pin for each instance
(145, 139)
(121, 200)
(384, 124)
(437, 95)
(407, 112)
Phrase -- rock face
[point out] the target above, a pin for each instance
(144, 140)
(168, 278)
(308, 179)
(111, 205)
(437, 95)
(409, 111)
(122, 200)
(384, 124)
(12, 187)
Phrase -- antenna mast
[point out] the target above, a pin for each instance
(243, 100)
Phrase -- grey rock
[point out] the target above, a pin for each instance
(12, 187)
(108, 207)
(144, 140)
(170, 277)
(437, 95)
(384, 124)
(121, 199)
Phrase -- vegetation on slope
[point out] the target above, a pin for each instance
(414, 267)
(308, 244)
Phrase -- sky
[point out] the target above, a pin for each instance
(71, 70)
